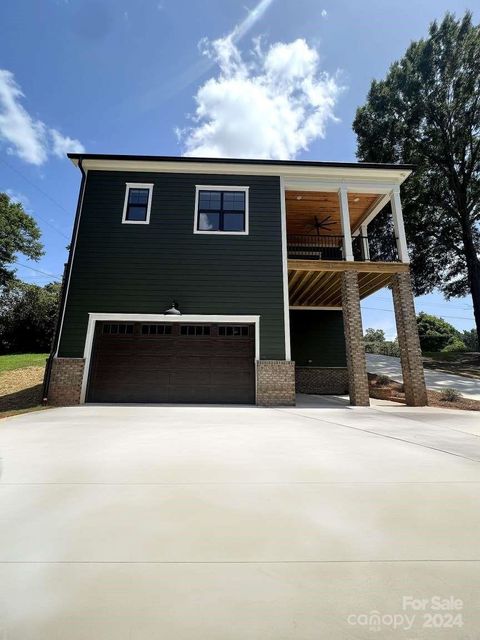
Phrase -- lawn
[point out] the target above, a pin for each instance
(463, 364)
(21, 377)
(22, 360)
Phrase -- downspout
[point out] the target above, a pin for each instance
(63, 295)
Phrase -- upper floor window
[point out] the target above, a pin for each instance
(221, 210)
(138, 202)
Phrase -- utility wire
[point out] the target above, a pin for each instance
(467, 307)
(42, 192)
(50, 275)
(391, 311)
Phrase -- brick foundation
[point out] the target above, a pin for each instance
(408, 340)
(66, 381)
(275, 383)
(321, 380)
(352, 325)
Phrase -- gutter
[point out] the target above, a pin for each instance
(65, 282)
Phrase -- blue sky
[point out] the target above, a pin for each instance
(119, 76)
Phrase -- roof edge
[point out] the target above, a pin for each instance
(75, 157)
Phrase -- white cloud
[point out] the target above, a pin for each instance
(61, 145)
(28, 138)
(17, 127)
(272, 106)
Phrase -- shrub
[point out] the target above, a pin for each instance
(455, 346)
(450, 395)
(382, 380)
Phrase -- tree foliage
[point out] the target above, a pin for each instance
(27, 317)
(436, 334)
(19, 233)
(470, 340)
(427, 112)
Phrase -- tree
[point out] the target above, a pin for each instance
(374, 335)
(27, 317)
(436, 334)
(19, 233)
(470, 339)
(427, 112)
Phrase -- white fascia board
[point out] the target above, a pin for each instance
(290, 172)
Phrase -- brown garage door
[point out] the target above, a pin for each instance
(172, 362)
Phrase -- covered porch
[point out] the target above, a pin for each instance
(332, 264)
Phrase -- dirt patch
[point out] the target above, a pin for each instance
(20, 389)
(384, 388)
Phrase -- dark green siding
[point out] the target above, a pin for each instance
(127, 268)
(317, 338)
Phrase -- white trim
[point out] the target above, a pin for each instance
(372, 186)
(216, 187)
(364, 242)
(345, 223)
(286, 294)
(55, 355)
(289, 172)
(300, 308)
(137, 185)
(157, 317)
(399, 226)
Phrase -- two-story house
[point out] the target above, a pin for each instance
(194, 280)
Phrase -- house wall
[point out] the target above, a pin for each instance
(318, 349)
(141, 268)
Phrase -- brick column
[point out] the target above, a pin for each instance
(408, 340)
(275, 383)
(66, 381)
(352, 324)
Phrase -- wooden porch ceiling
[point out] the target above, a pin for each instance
(303, 206)
(315, 283)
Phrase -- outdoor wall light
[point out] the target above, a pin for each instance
(173, 311)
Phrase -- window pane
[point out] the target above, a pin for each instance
(234, 222)
(209, 200)
(138, 196)
(209, 221)
(138, 213)
(234, 200)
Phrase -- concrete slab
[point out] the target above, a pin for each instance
(238, 522)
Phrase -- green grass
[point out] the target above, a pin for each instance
(444, 356)
(22, 360)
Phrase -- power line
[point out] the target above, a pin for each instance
(434, 304)
(391, 311)
(50, 275)
(42, 192)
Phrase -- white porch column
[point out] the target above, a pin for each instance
(365, 246)
(399, 226)
(345, 222)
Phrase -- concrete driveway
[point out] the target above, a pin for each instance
(435, 380)
(224, 523)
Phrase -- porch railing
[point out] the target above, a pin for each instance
(327, 247)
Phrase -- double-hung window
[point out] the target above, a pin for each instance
(138, 202)
(221, 210)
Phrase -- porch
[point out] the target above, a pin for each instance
(332, 264)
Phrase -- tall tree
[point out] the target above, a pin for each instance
(27, 317)
(19, 233)
(427, 112)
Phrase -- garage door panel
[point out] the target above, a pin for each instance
(172, 367)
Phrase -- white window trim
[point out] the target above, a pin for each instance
(137, 185)
(216, 187)
(163, 318)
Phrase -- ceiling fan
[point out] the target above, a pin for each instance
(317, 224)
